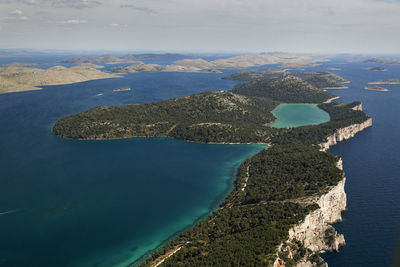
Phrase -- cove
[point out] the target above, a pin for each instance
(103, 203)
(295, 115)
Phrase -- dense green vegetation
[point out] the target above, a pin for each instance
(288, 89)
(319, 80)
(207, 117)
(341, 116)
(273, 189)
(251, 223)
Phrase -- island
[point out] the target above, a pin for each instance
(133, 58)
(15, 78)
(122, 89)
(376, 68)
(387, 81)
(321, 80)
(376, 88)
(383, 60)
(289, 61)
(285, 198)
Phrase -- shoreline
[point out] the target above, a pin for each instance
(214, 206)
(340, 135)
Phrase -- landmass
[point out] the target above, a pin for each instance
(137, 67)
(375, 60)
(333, 69)
(21, 64)
(15, 79)
(383, 60)
(376, 68)
(134, 58)
(285, 198)
(243, 61)
(376, 88)
(387, 81)
(322, 80)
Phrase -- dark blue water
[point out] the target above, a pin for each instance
(372, 166)
(103, 203)
(87, 203)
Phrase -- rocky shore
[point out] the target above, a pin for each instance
(315, 232)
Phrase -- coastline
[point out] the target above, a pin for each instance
(215, 205)
(313, 229)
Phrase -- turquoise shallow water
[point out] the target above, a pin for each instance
(295, 115)
(103, 203)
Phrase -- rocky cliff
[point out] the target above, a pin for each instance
(315, 232)
(345, 133)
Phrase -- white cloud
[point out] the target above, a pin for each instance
(14, 16)
(15, 12)
(78, 4)
(139, 8)
(253, 25)
(72, 22)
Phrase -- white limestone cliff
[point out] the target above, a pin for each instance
(345, 133)
(315, 232)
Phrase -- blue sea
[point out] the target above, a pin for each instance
(103, 203)
(107, 203)
(372, 166)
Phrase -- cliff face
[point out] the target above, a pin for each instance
(345, 133)
(315, 232)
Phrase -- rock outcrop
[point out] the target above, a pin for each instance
(315, 232)
(345, 133)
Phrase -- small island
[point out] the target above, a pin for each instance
(122, 89)
(376, 68)
(376, 88)
(387, 81)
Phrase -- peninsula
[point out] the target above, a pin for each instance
(285, 198)
(14, 78)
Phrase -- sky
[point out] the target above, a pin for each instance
(310, 26)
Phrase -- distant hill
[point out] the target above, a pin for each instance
(321, 80)
(288, 89)
(109, 59)
(14, 78)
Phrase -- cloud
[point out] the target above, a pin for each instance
(72, 22)
(15, 15)
(78, 4)
(140, 8)
(16, 12)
